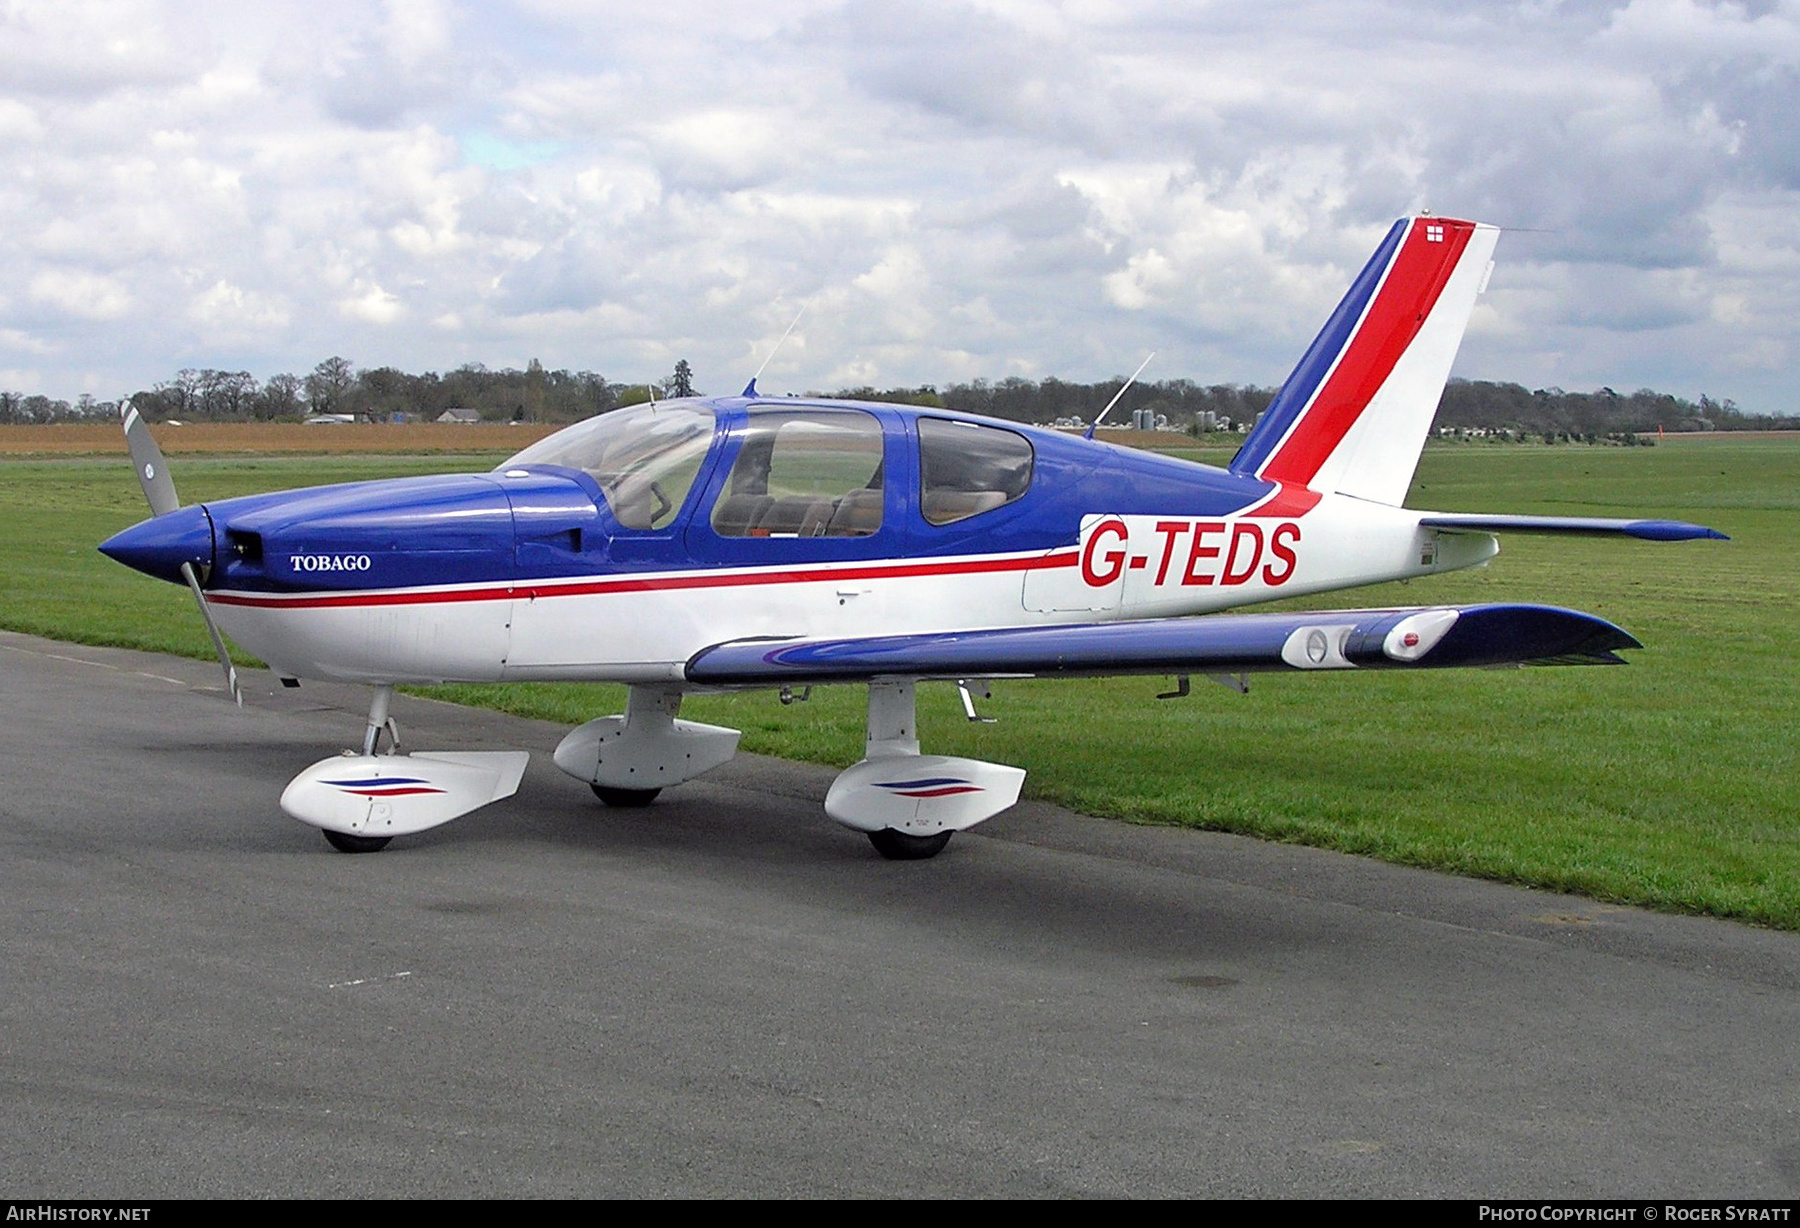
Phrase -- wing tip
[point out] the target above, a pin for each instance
(1532, 635)
(1673, 531)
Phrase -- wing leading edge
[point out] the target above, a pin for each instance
(1420, 638)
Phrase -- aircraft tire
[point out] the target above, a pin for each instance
(627, 798)
(898, 846)
(343, 842)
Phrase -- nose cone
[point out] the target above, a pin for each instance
(159, 546)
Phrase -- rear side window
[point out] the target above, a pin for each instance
(804, 474)
(966, 469)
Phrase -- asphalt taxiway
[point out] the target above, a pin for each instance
(727, 994)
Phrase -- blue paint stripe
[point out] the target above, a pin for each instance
(379, 782)
(1306, 378)
(929, 783)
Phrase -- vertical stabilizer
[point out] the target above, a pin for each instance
(1353, 416)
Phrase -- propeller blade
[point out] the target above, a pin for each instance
(147, 459)
(159, 491)
(212, 629)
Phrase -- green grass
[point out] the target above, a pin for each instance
(1669, 783)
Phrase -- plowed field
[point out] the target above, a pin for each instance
(250, 438)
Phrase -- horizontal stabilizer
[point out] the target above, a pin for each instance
(1649, 530)
(1425, 638)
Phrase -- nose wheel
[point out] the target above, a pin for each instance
(361, 801)
(344, 842)
(627, 798)
(898, 846)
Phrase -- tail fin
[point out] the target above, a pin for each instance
(1353, 416)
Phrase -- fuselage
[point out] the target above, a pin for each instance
(622, 546)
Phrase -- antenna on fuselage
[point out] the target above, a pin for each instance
(750, 388)
(1121, 392)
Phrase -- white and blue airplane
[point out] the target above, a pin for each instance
(760, 542)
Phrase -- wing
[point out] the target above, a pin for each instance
(1421, 638)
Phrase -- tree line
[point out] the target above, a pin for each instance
(535, 394)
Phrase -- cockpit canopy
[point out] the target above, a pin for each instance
(795, 470)
(645, 458)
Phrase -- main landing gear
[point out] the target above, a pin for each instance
(629, 758)
(624, 799)
(907, 803)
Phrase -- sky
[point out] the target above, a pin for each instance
(947, 189)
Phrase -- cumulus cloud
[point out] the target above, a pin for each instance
(370, 304)
(227, 311)
(954, 188)
(79, 293)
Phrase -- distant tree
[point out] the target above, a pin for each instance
(179, 397)
(225, 395)
(533, 408)
(924, 395)
(579, 395)
(382, 392)
(328, 387)
(681, 384)
(43, 409)
(280, 397)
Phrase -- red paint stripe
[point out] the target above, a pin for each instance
(646, 584)
(1291, 502)
(1401, 306)
(399, 792)
(946, 792)
(404, 597)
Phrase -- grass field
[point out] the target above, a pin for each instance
(1668, 783)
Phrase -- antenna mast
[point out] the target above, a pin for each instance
(750, 388)
(1121, 392)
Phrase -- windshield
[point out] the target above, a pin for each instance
(645, 458)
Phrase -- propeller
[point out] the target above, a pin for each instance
(159, 492)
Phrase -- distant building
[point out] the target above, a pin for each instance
(462, 417)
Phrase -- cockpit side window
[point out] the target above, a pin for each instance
(966, 469)
(804, 473)
(645, 459)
